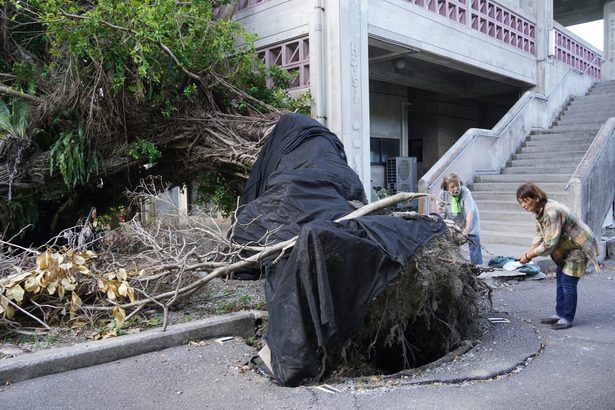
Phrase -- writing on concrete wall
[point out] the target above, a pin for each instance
(355, 82)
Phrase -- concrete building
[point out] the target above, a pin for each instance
(461, 86)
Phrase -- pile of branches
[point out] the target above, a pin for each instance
(87, 273)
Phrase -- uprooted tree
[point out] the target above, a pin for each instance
(96, 95)
(432, 306)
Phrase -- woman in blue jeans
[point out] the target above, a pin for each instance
(461, 208)
(569, 242)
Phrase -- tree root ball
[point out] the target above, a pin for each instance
(429, 310)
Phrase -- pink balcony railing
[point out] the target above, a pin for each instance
(489, 18)
(577, 55)
(292, 55)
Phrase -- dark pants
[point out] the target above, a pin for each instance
(566, 299)
(476, 253)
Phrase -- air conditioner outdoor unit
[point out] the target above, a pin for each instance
(401, 177)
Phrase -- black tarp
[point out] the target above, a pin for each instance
(319, 294)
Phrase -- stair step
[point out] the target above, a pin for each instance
(587, 121)
(602, 111)
(564, 169)
(502, 206)
(603, 85)
(602, 105)
(560, 179)
(505, 216)
(568, 156)
(604, 108)
(512, 186)
(561, 136)
(601, 89)
(557, 138)
(590, 116)
(561, 148)
(548, 160)
(575, 128)
(525, 226)
(488, 236)
(592, 98)
(563, 130)
(610, 90)
(510, 196)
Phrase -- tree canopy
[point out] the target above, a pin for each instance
(95, 95)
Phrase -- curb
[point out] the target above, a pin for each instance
(86, 354)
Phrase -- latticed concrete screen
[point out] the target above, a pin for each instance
(294, 56)
(489, 18)
(577, 55)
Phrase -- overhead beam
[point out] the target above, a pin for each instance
(407, 77)
(571, 12)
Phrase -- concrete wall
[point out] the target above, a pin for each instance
(593, 183)
(438, 124)
(608, 68)
(526, 8)
(276, 21)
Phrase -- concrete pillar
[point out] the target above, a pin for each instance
(347, 81)
(183, 204)
(608, 68)
(544, 35)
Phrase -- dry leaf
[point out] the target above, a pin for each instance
(119, 314)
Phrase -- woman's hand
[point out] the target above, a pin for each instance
(525, 257)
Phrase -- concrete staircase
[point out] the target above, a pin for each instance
(548, 157)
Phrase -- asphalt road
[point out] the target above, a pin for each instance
(568, 369)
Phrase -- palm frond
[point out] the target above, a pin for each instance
(14, 121)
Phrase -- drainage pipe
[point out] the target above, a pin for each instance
(317, 57)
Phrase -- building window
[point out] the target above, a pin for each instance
(244, 4)
(415, 149)
(292, 55)
(382, 149)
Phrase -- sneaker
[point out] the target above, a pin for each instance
(549, 320)
(561, 325)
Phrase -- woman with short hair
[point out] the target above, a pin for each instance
(456, 203)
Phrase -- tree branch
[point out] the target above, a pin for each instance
(16, 93)
(266, 252)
